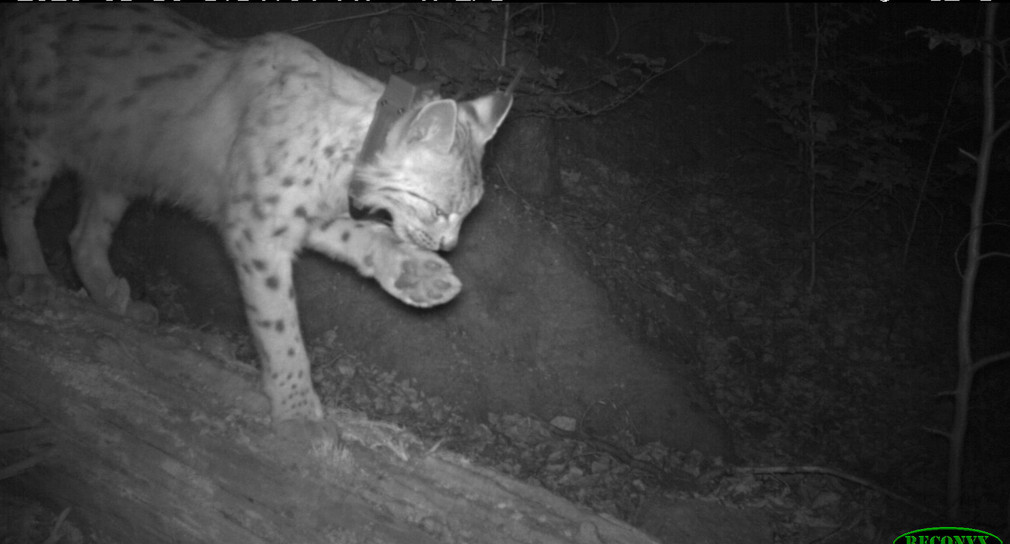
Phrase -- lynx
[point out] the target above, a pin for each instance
(262, 137)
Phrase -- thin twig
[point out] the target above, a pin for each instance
(837, 474)
(966, 238)
(921, 197)
(637, 89)
(25, 464)
(317, 24)
(55, 535)
(617, 29)
(866, 201)
(985, 361)
(504, 38)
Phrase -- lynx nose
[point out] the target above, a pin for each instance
(450, 231)
(448, 242)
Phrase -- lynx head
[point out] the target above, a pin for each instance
(426, 175)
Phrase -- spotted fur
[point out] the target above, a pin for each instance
(261, 137)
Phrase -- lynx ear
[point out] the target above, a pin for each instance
(489, 112)
(434, 126)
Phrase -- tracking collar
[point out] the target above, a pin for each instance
(402, 92)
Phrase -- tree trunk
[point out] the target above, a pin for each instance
(155, 441)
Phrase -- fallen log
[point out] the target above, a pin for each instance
(155, 440)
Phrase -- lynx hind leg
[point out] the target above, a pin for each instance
(264, 273)
(416, 276)
(89, 242)
(26, 176)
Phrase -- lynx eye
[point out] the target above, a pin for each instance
(433, 209)
(433, 212)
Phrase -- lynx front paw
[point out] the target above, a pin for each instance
(419, 278)
(116, 297)
(142, 312)
(30, 289)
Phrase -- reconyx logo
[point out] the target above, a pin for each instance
(948, 535)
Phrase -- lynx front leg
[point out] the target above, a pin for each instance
(264, 273)
(416, 276)
(27, 173)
